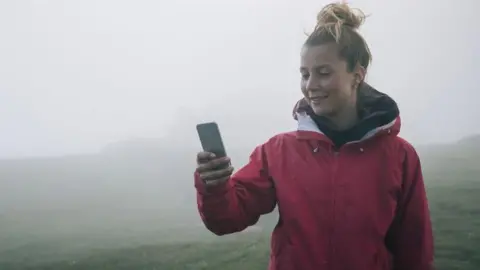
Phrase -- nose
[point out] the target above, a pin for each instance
(312, 84)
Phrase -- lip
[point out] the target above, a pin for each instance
(317, 99)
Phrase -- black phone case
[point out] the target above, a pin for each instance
(211, 139)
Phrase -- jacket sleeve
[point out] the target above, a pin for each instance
(410, 238)
(239, 202)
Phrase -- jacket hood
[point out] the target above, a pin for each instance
(378, 112)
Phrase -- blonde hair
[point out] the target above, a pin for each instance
(338, 22)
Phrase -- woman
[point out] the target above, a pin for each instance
(349, 191)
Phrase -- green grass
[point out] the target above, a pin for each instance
(455, 213)
(154, 240)
(251, 251)
(456, 219)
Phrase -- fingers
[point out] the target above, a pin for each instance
(204, 157)
(213, 164)
(214, 175)
(213, 170)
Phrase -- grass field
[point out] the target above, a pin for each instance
(154, 239)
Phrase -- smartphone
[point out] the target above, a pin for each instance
(211, 139)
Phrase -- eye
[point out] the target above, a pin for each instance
(305, 76)
(324, 72)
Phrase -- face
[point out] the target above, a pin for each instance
(326, 83)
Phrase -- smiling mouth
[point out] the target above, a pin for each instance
(317, 99)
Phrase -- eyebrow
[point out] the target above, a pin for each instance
(317, 67)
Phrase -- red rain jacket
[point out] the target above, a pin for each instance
(360, 207)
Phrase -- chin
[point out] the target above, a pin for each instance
(321, 111)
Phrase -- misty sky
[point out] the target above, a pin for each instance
(77, 75)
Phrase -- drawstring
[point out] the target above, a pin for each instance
(315, 146)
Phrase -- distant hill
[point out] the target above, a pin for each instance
(450, 159)
(468, 145)
(142, 174)
(152, 174)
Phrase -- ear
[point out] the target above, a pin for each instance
(358, 75)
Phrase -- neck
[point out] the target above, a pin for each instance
(345, 118)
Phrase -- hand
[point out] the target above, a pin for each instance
(213, 171)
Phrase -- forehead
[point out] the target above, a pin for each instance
(319, 55)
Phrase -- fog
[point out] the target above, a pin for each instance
(99, 100)
(78, 75)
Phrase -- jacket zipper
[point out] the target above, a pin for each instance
(335, 154)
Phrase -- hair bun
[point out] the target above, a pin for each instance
(340, 14)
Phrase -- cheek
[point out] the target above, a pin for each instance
(329, 82)
(333, 86)
(303, 87)
(339, 94)
(341, 86)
